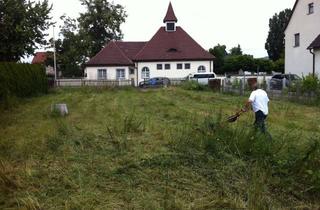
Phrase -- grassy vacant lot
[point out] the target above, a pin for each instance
(160, 149)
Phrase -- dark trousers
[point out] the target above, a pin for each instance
(260, 121)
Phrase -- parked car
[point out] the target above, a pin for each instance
(202, 78)
(276, 82)
(155, 82)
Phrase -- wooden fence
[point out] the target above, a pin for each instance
(92, 83)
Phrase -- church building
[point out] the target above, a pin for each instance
(170, 53)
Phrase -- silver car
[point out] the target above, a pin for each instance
(276, 82)
(203, 78)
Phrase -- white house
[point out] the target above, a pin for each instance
(302, 38)
(171, 53)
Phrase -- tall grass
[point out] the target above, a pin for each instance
(163, 149)
(272, 166)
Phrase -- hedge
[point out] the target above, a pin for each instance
(22, 80)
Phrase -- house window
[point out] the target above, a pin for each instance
(131, 71)
(171, 26)
(296, 40)
(167, 66)
(159, 66)
(310, 8)
(121, 74)
(145, 73)
(187, 66)
(201, 69)
(179, 65)
(102, 74)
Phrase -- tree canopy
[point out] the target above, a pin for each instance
(236, 50)
(22, 26)
(234, 63)
(85, 36)
(275, 41)
(220, 53)
(235, 60)
(101, 23)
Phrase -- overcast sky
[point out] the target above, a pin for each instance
(209, 22)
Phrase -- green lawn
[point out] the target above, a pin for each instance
(156, 149)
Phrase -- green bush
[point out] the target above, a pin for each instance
(21, 80)
(310, 84)
(193, 85)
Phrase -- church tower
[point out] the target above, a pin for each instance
(170, 19)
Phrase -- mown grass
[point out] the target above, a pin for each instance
(156, 149)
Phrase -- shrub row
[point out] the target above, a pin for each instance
(21, 80)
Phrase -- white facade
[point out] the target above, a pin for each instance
(92, 72)
(173, 72)
(299, 60)
(137, 72)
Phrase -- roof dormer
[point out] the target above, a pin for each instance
(170, 19)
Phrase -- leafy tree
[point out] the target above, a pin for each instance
(84, 37)
(22, 26)
(279, 65)
(71, 51)
(264, 65)
(220, 53)
(236, 50)
(101, 23)
(275, 41)
(236, 62)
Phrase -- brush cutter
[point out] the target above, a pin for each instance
(235, 117)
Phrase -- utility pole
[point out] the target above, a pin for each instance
(54, 56)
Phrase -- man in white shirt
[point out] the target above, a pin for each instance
(259, 101)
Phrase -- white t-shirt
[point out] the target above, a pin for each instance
(259, 100)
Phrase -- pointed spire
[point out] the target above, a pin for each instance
(170, 16)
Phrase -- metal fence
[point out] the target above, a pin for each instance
(280, 90)
(92, 83)
(177, 81)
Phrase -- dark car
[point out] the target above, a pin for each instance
(276, 82)
(155, 82)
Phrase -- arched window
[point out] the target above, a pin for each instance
(145, 73)
(201, 69)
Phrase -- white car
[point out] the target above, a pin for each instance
(202, 78)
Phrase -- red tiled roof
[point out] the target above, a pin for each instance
(315, 44)
(170, 16)
(172, 46)
(116, 53)
(131, 49)
(39, 58)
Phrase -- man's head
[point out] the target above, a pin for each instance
(254, 85)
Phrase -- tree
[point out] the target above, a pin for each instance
(236, 50)
(72, 50)
(220, 53)
(236, 62)
(275, 41)
(279, 65)
(22, 26)
(264, 65)
(85, 36)
(101, 23)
